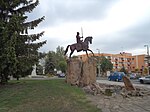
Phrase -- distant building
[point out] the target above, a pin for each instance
(131, 63)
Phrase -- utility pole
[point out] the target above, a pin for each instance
(98, 62)
(148, 58)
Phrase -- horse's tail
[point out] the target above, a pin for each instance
(66, 49)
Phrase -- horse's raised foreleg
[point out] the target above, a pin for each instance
(90, 51)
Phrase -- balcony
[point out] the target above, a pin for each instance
(147, 57)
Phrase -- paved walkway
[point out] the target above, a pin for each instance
(119, 104)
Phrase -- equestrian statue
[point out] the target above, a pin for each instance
(80, 45)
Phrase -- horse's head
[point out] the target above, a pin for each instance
(88, 39)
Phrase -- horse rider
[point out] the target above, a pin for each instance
(78, 38)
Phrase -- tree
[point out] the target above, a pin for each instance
(8, 59)
(59, 56)
(136, 70)
(50, 62)
(123, 70)
(19, 51)
(39, 70)
(106, 65)
(63, 66)
(145, 71)
(57, 59)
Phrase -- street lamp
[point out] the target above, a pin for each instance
(98, 62)
(147, 49)
(148, 58)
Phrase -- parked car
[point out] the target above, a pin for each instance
(133, 76)
(116, 76)
(145, 79)
(61, 75)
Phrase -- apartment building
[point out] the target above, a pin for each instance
(131, 63)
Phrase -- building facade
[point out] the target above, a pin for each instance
(131, 63)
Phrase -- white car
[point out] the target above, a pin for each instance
(61, 75)
(145, 79)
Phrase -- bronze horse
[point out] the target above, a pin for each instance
(84, 46)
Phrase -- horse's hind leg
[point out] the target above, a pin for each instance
(87, 53)
(71, 53)
(91, 51)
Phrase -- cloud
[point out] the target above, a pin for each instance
(128, 40)
(115, 25)
(59, 11)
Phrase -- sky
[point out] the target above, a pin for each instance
(115, 25)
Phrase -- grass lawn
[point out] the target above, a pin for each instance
(43, 96)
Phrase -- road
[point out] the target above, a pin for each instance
(103, 80)
(135, 83)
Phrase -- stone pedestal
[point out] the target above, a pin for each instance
(81, 73)
(73, 71)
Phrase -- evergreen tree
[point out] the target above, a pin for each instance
(50, 62)
(19, 51)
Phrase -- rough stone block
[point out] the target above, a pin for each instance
(81, 73)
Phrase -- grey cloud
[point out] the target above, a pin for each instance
(49, 46)
(132, 38)
(71, 10)
(87, 10)
(53, 43)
